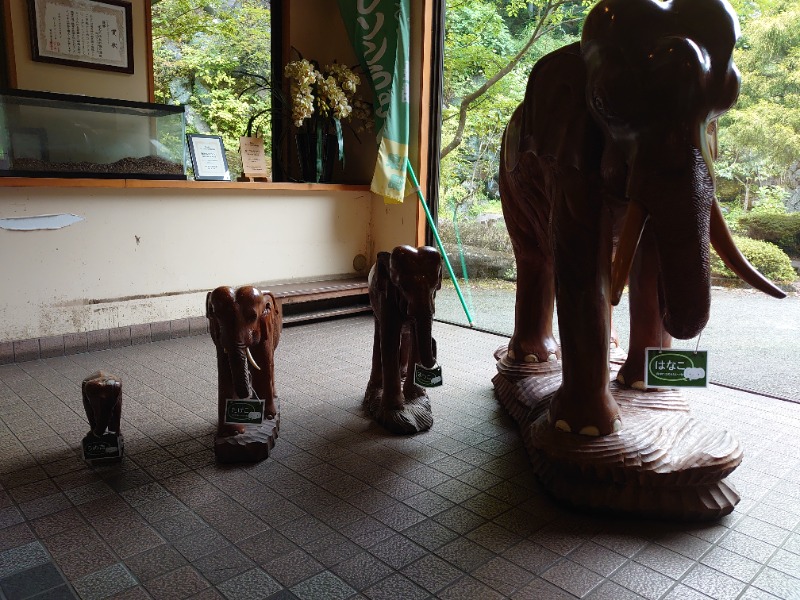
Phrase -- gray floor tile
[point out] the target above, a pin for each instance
(22, 558)
(31, 582)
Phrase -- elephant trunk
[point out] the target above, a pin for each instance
(422, 328)
(240, 372)
(679, 205)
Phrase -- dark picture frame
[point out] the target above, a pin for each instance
(209, 161)
(93, 34)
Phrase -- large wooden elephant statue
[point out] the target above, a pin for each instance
(608, 158)
(402, 291)
(245, 325)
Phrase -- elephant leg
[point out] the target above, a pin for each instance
(647, 323)
(527, 207)
(583, 404)
(533, 339)
(264, 379)
(376, 373)
(226, 391)
(390, 334)
(409, 357)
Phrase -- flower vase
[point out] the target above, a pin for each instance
(317, 153)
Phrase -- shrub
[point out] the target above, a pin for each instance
(764, 256)
(783, 230)
(490, 236)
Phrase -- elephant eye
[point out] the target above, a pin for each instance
(250, 315)
(599, 106)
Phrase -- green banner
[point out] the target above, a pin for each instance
(379, 32)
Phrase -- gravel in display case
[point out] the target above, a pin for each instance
(60, 135)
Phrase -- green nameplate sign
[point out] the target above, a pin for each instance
(427, 377)
(108, 446)
(671, 368)
(244, 412)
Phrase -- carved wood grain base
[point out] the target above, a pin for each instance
(416, 415)
(253, 445)
(663, 463)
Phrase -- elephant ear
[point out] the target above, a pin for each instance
(271, 320)
(209, 307)
(398, 262)
(433, 260)
(380, 276)
(554, 118)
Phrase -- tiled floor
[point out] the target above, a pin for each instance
(341, 508)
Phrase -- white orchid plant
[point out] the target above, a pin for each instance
(322, 97)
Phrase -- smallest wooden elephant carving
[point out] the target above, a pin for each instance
(102, 401)
(245, 325)
(402, 289)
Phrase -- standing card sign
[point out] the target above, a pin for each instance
(95, 34)
(254, 160)
(208, 157)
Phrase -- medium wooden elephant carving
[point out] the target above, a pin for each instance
(609, 148)
(245, 325)
(402, 291)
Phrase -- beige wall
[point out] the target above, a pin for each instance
(96, 274)
(40, 76)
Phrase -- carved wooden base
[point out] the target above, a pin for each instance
(663, 463)
(416, 415)
(251, 446)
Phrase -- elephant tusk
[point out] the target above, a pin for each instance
(726, 248)
(251, 360)
(632, 227)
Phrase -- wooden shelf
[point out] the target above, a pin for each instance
(67, 182)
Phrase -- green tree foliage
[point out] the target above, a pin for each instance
(490, 48)
(760, 136)
(200, 47)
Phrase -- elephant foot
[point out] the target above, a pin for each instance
(414, 416)
(531, 352)
(635, 385)
(229, 430)
(594, 419)
(514, 369)
(270, 409)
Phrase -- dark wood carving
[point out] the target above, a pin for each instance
(402, 291)
(608, 157)
(102, 401)
(245, 325)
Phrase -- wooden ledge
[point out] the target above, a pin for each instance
(68, 182)
(306, 291)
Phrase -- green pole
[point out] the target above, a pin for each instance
(438, 241)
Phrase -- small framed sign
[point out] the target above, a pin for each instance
(95, 34)
(208, 157)
(244, 412)
(673, 368)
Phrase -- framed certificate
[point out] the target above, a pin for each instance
(208, 157)
(96, 34)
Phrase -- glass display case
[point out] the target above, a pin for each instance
(59, 135)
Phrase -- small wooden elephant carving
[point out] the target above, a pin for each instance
(102, 401)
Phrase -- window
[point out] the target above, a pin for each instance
(214, 56)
